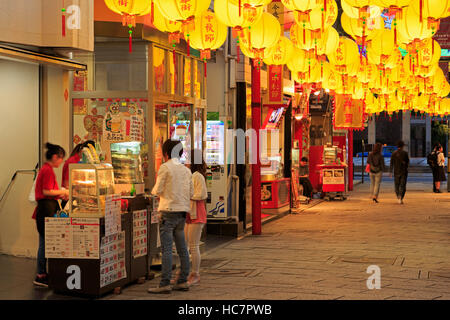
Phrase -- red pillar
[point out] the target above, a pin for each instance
(350, 160)
(256, 168)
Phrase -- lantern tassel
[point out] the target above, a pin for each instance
(240, 5)
(421, 10)
(188, 47)
(63, 22)
(130, 40)
(204, 63)
(153, 12)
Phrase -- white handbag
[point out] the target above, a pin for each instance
(32, 195)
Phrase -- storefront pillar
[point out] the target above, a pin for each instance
(350, 160)
(256, 166)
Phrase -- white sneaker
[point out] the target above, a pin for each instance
(400, 201)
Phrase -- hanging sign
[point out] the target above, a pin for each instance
(348, 113)
(114, 128)
(275, 84)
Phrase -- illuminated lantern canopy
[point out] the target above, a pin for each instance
(183, 11)
(129, 10)
(230, 15)
(165, 25)
(209, 34)
(395, 8)
(264, 34)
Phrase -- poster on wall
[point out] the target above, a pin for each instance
(79, 84)
(76, 238)
(139, 233)
(114, 126)
(112, 259)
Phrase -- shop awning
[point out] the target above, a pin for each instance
(36, 57)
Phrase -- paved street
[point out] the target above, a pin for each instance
(324, 251)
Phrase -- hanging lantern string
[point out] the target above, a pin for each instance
(63, 25)
(153, 13)
(237, 50)
(130, 38)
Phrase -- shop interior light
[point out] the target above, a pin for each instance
(327, 90)
(317, 93)
(299, 116)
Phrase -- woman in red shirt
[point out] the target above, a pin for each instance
(75, 157)
(47, 193)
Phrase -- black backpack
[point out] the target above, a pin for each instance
(432, 159)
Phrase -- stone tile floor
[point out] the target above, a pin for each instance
(320, 253)
(324, 252)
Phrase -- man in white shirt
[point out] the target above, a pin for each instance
(175, 189)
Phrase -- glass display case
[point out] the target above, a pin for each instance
(89, 186)
(329, 154)
(127, 163)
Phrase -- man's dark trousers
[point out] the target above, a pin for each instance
(400, 185)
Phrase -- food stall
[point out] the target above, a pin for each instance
(332, 174)
(102, 245)
(275, 189)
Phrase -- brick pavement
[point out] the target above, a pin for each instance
(324, 252)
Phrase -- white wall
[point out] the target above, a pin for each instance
(19, 142)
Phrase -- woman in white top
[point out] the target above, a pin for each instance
(440, 176)
(196, 218)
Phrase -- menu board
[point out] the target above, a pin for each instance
(112, 215)
(139, 233)
(75, 238)
(112, 261)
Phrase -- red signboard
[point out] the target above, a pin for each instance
(443, 35)
(275, 84)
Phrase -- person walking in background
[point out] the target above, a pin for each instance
(196, 218)
(175, 189)
(432, 162)
(303, 174)
(47, 193)
(399, 164)
(377, 166)
(440, 172)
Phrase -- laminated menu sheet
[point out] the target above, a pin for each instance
(112, 215)
(75, 238)
(112, 261)
(139, 233)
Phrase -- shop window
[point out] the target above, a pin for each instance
(173, 72)
(116, 69)
(161, 123)
(159, 69)
(187, 76)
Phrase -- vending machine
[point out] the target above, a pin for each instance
(217, 174)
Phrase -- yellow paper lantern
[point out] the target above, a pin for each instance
(300, 5)
(304, 38)
(353, 12)
(354, 28)
(318, 18)
(264, 34)
(346, 54)
(182, 10)
(434, 9)
(299, 61)
(228, 13)
(209, 34)
(164, 25)
(411, 28)
(382, 44)
(279, 54)
(366, 73)
(129, 10)
(330, 42)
